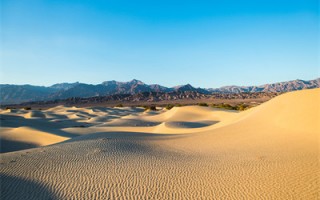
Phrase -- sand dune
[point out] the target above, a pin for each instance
(268, 152)
(27, 137)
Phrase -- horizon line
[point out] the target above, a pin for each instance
(158, 83)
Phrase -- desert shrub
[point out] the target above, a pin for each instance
(119, 105)
(229, 107)
(224, 106)
(169, 106)
(239, 107)
(177, 105)
(27, 108)
(203, 104)
(152, 107)
(8, 108)
(242, 107)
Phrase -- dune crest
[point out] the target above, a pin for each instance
(268, 152)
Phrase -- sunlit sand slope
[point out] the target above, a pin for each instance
(268, 152)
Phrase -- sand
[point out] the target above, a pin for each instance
(267, 152)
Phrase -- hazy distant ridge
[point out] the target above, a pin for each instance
(274, 87)
(23, 93)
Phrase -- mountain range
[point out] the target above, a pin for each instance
(14, 94)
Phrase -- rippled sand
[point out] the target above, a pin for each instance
(268, 152)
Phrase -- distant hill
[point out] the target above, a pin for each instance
(14, 94)
(274, 87)
(10, 94)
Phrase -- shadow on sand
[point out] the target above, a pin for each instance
(9, 146)
(15, 188)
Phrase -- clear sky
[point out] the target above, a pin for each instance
(204, 43)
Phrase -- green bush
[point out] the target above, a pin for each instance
(229, 107)
(152, 107)
(119, 105)
(242, 107)
(203, 104)
(224, 106)
(239, 107)
(169, 106)
(27, 108)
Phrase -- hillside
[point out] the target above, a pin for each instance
(15, 94)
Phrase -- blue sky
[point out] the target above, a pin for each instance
(204, 43)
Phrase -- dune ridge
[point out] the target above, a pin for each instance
(267, 152)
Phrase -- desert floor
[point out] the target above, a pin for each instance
(267, 152)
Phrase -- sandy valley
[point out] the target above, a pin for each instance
(267, 152)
